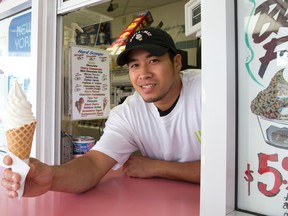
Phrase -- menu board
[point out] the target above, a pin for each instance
(90, 83)
(262, 178)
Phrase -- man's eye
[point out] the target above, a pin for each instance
(154, 61)
(133, 65)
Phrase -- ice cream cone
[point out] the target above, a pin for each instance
(19, 140)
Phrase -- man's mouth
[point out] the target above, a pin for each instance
(147, 86)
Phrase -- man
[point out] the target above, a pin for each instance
(161, 119)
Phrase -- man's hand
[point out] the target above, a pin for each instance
(38, 180)
(139, 166)
(75, 176)
(144, 167)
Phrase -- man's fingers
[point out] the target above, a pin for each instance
(11, 194)
(11, 176)
(7, 160)
(10, 186)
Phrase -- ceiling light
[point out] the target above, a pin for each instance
(112, 6)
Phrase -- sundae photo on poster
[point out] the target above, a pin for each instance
(271, 108)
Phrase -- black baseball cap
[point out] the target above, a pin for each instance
(154, 40)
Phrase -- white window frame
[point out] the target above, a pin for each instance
(218, 84)
(43, 51)
(72, 5)
(8, 8)
(43, 54)
(218, 108)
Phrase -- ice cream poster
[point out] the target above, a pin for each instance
(262, 145)
(90, 83)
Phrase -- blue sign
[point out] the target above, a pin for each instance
(20, 35)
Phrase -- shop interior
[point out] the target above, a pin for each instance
(99, 27)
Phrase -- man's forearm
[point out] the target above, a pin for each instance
(184, 171)
(81, 174)
(73, 177)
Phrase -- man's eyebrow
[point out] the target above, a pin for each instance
(131, 59)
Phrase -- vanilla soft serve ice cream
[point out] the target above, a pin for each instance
(19, 109)
(20, 123)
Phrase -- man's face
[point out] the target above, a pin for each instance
(155, 78)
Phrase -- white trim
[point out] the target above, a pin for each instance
(43, 51)
(59, 90)
(237, 213)
(72, 5)
(218, 120)
(9, 5)
(8, 8)
(190, 27)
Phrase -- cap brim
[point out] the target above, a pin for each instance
(156, 50)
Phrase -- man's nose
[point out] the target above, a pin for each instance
(145, 71)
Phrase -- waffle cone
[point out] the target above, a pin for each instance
(19, 140)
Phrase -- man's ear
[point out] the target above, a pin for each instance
(178, 61)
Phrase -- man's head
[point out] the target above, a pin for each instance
(154, 66)
(154, 40)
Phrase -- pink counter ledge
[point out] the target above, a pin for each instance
(117, 195)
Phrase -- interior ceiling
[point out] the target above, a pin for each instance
(98, 13)
(129, 6)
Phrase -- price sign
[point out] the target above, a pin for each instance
(266, 168)
(262, 186)
(267, 165)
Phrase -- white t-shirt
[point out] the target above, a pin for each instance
(136, 125)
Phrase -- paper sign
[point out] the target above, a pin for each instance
(90, 83)
(262, 184)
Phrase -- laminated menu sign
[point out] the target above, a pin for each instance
(90, 83)
(262, 178)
